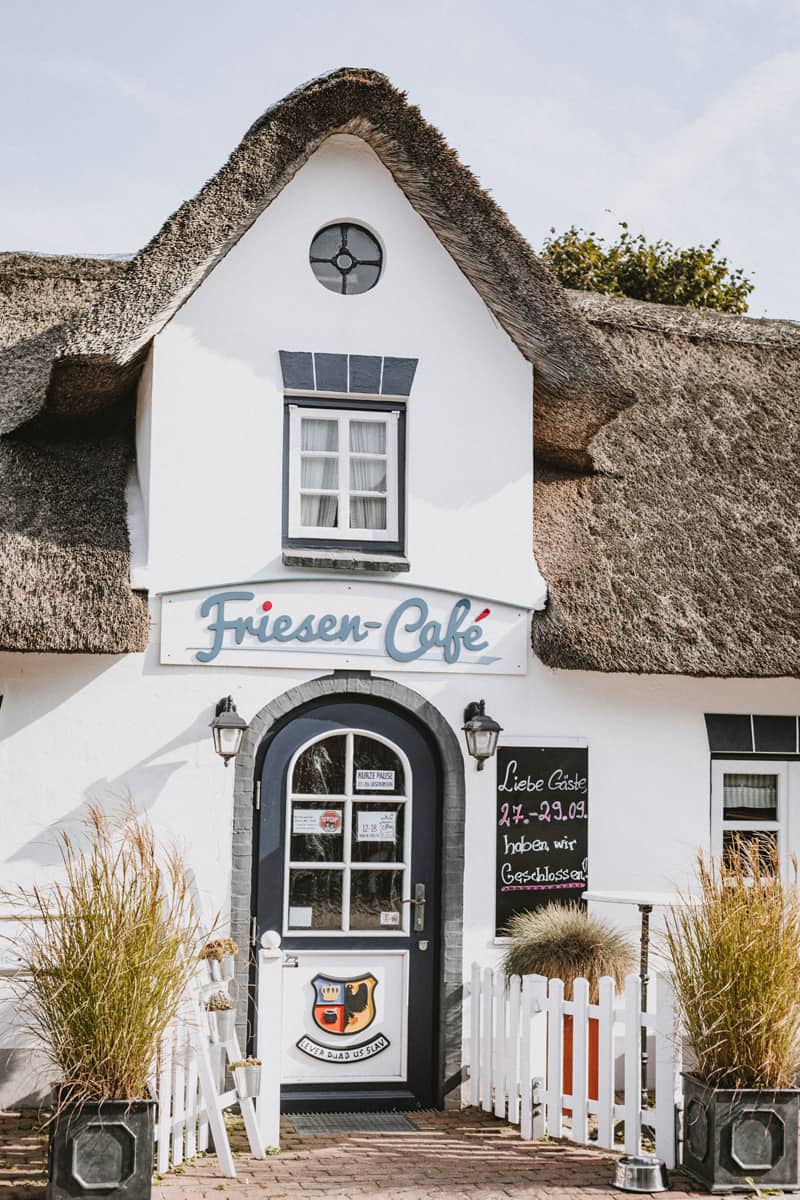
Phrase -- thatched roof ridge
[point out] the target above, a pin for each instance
(682, 556)
(576, 392)
(700, 324)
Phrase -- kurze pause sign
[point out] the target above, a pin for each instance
(542, 827)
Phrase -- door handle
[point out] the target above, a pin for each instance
(418, 903)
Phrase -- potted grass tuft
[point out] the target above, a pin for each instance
(247, 1077)
(564, 941)
(107, 954)
(735, 950)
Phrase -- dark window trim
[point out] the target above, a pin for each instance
(756, 756)
(352, 404)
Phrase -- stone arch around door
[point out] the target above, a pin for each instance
(360, 685)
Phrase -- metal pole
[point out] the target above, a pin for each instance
(645, 910)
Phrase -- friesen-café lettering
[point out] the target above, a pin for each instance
(408, 633)
(542, 827)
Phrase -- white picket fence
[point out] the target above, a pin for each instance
(515, 1058)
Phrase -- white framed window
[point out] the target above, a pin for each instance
(343, 474)
(750, 798)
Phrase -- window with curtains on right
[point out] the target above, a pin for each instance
(343, 476)
(749, 803)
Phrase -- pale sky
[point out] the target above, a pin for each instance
(680, 116)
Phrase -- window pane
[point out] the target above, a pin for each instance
(368, 437)
(750, 798)
(367, 475)
(319, 512)
(366, 513)
(361, 278)
(762, 842)
(315, 899)
(378, 770)
(319, 770)
(319, 434)
(375, 900)
(361, 244)
(327, 242)
(319, 473)
(377, 834)
(317, 833)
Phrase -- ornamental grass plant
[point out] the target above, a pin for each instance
(107, 954)
(564, 941)
(735, 951)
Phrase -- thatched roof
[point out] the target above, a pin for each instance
(682, 554)
(64, 556)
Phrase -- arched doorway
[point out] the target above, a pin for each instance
(334, 868)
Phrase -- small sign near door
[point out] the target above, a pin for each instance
(374, 781)
(542, 827)
(374, 826)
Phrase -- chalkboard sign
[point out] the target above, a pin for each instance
(542, 827)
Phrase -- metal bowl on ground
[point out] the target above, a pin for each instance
(640, 1173)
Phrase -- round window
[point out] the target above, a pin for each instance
(346, 258)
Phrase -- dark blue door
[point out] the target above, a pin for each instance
(348, 873)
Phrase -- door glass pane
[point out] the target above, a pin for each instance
(761, 842)
(319, 434)
(317, 833)
(377, 834)
(368, 437)
(320, 768)
(315, 899)
(375, 900)
(750, 798)
(378, 770)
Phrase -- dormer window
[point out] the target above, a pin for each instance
(344, 476)
(346, 258)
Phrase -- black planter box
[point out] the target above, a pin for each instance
(103, 1150)
(738, 1141)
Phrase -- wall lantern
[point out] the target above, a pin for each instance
(480, 731)
(228, 729)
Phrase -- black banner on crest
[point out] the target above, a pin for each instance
(542, 827)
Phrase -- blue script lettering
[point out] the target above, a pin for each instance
(408, 619)
(430, 632)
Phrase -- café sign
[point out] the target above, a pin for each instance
(313, 623)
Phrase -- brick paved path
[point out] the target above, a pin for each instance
(459, 1156)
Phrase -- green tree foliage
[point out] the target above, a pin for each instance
(696, 277)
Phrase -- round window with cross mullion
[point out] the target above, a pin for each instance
(346, 258)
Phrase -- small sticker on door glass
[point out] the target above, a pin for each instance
(375, 781)
(301, 918)
(317, 820)
(390, 918)
(375, 826)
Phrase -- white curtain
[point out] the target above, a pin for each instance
(368, 475)
(320, 435)
(750, 791)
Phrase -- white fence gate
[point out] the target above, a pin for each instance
(515, 1058)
